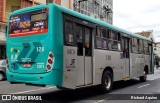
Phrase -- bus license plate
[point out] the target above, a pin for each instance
(26, 65)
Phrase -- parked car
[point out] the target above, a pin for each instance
(3, 66)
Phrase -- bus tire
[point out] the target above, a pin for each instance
(107, 82)
(143, 78)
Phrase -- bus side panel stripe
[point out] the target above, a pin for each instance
(24, 51)
(34, 53)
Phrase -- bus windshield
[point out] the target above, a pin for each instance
(30, 23)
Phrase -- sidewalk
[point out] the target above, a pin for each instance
(154, 76)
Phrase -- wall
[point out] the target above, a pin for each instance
(1, 9)
(9, 4)
(99, 9)
(2, 34)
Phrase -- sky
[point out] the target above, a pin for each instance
(137, 16)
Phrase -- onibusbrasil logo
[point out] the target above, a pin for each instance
(20, 97)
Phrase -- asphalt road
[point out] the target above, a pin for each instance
(121, 91)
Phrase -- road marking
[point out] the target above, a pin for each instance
(102, 100)
(99, 101)
(143, 86)
(154, 78)
(32, 90)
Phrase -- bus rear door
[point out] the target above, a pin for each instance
(126, 56)
(84, 55)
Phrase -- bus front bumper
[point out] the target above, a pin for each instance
(53, 77)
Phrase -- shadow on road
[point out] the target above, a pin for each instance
(124, 84)
(91, 93)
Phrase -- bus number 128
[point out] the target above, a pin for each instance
(40, 49)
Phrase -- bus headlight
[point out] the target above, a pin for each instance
(50, 61)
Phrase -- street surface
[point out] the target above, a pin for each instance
(88, 95)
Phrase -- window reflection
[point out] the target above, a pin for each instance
(69, 32)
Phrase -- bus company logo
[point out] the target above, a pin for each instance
(139, 60)
(6, 97)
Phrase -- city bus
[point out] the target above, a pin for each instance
(53, 45)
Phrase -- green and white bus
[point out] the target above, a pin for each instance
(53, 45)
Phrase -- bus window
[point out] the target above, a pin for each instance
(119, 46)
(119, 42)
(134, 45)
(140, 46)
(69, 32)
(79, 40)
(146, 50)
(126, 47)
(149, 48)
(114, 45)
(98, 43)
(38, 17)
(105, 44)
(114, 40)
(123, 48)
(114, 35)
(98, 34)
(103, 32)
(119, 36)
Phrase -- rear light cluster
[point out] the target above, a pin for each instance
(50, 62)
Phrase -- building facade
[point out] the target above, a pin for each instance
(148, 34)
(7, 6)
(99, 9)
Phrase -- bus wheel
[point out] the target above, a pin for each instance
(144, 77)
(107, 82)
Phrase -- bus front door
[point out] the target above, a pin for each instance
(84, 70)
(126, 57)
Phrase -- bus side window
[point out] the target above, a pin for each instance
(119, 42)
(98, 38)
(140, 46)
(134, 45)
(98, 43)
(105, 36)
(149, 48)
(114, 40)
(98, 33)
(123, 46)
(79, 40)
(69, 32)
(146, 50)
(103, 33)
